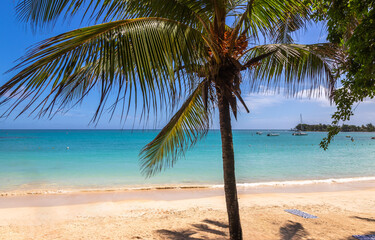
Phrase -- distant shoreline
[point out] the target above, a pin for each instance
(137, 129)
(156, 130)
(344, 128)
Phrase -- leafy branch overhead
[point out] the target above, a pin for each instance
(350, 25)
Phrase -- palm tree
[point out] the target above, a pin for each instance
(162, 51)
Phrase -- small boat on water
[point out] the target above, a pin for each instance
(373, 138)
(300, 132)
(259, 133)
(273, 134)
(348, 136)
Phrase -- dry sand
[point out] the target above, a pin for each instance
(341, 214)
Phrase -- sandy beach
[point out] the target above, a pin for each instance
(188, 214)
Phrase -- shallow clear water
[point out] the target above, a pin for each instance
(39, 159)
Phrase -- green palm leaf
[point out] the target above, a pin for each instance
(41, 12)
(128, 56)
(186, 127)
(291, 23)
(293, 67)
(263, 16)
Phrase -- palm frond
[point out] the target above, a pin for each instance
(130, 57)
(291, 23)
(185, 11)
(41, 12)
(293, 67)
(236, 7)
(239, 24)
(186, 127)
(265, 15)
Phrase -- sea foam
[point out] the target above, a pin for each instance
(301, 182)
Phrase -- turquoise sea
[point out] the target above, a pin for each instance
(108, 159)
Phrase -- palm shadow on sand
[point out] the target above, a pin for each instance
(365, 219)
(205, 227)
(293, 231)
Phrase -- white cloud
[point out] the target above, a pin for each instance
(318, 95)
(21, 89)
(323, 38)
(257, 101)
(368, 101)
(73, 113)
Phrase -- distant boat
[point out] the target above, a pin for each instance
(259, 133)
(273, 134)
(373, 138)
(348, 136)
(300, 132)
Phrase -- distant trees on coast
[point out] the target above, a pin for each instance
(344, 128)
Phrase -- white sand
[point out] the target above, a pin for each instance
(340, 215)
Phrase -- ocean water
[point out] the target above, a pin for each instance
(108, 159)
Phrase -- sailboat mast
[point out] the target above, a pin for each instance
(299, 131)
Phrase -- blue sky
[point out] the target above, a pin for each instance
(268, 111)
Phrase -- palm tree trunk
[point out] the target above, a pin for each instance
(230, 187)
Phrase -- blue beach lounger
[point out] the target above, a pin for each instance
(300, 213)
(365, 237)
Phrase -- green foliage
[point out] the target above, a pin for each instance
(185, 128)
(118, 56)
(344, 128)
(43, 12)
(291, 64)
(351, 23)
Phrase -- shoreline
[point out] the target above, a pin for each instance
(367, 181)
(168, 193)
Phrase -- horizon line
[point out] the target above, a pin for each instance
(216, 129)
